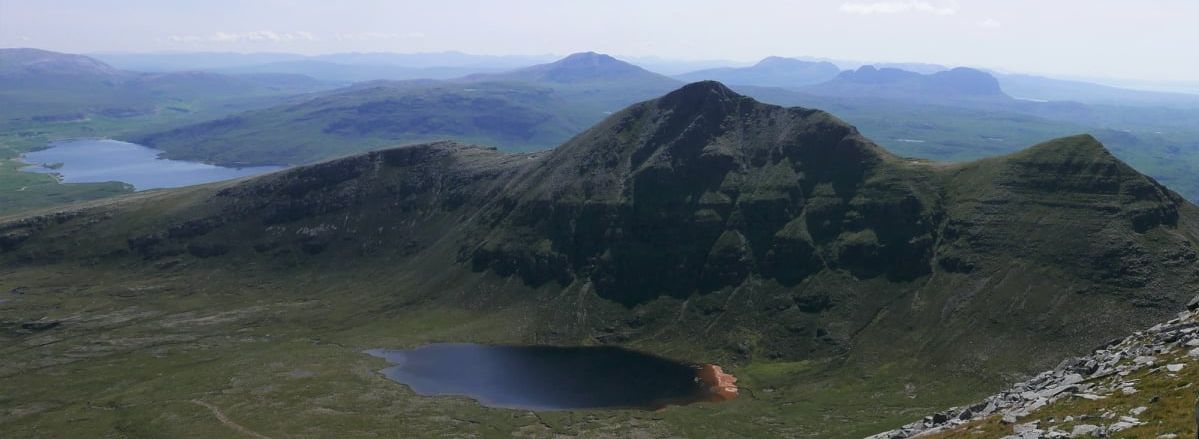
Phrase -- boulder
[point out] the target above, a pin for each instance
(1193, 304)
(1082, 430)
(1120, 426)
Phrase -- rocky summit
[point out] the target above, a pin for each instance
(777, 242)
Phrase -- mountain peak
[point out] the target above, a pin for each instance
(1077, 148)
(775, 60)
(793, 63)
(588, 57)
(870, 81)
(695, 92)
(1080, 169)
(580, 67)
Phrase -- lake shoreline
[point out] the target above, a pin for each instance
(102, 160)
(554, 378)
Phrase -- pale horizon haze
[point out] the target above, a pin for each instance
(1138, 40)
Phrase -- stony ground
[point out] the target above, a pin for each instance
(1142, 386)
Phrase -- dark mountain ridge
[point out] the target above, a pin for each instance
(702, 223)
(704, 191)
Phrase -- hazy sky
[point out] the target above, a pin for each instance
(1143, 39)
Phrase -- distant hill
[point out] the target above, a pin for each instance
(27, 64)
(586, 68)
(513, 116)
(40, 86)
(45, 96)
(173, 61)
(1051, 89)
(333, 71)
(769, 72)
(525, 109)
(958, 84)
(921, 68)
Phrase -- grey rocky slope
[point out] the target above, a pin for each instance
(1164, 350)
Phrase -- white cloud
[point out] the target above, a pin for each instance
(370, 36)
(238, 37)
(897, 7)
(990, 23)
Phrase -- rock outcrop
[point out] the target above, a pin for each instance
(1093, 377)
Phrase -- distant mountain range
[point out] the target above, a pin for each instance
(959, 84)
(584, 69)
(1050, 89)
(956, 114)
(346, 73)
(168, 61)
(770, 72)
(38, 85)
(524, 109)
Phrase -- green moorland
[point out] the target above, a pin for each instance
(138, 353)
(849, 289)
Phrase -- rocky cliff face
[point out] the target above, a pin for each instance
(774, 232)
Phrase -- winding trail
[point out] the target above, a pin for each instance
(220, 416)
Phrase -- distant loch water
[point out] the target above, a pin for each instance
(548, 378)
(101, 160)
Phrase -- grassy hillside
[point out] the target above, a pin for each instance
(849, 289)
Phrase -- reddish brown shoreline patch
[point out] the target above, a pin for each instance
(721, 385)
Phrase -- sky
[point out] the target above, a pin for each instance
(1143, 39)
